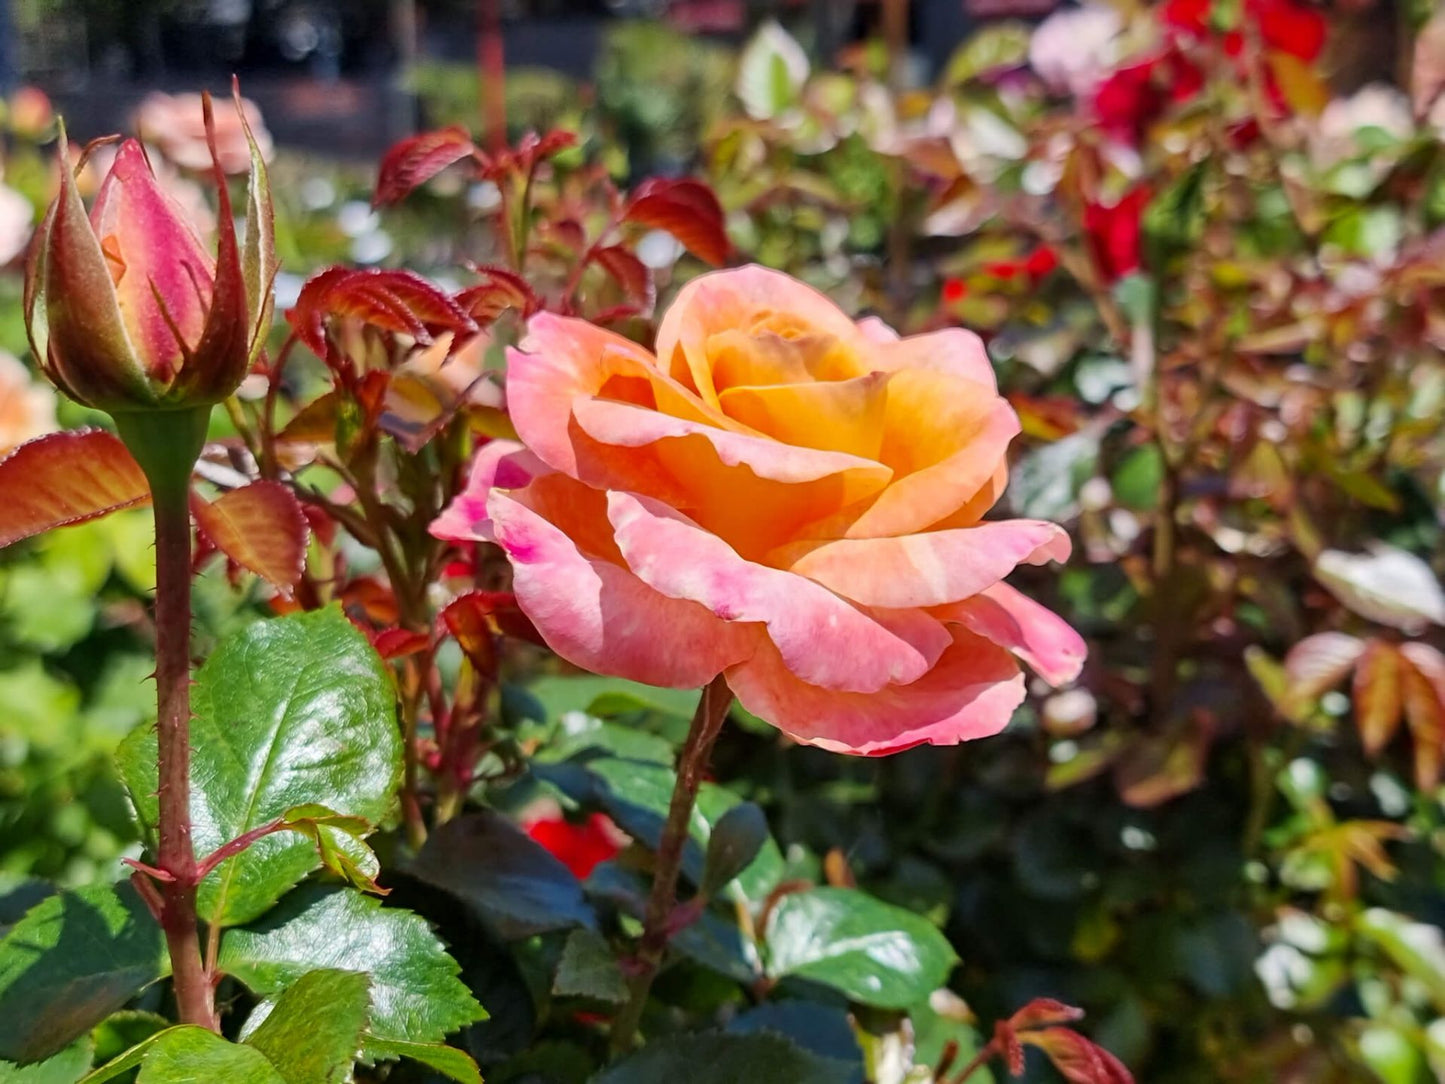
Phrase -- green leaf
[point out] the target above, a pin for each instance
(67, 1067)
(876, 954)
(1138, 477)
(447, 1060)
(514, 883)
(1002, 45)
(72, 960)
(1417, 948)
(589, 968)
(605, 696)
(289, 711)
(313, 1033)
(189, 1055)
(637, 796)
(737, 838)
(415, 992)
(724, 1059)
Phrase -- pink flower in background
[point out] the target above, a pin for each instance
(1075, 48)
(172, 122)
(17, 222)
(780, 495)
(27, 407)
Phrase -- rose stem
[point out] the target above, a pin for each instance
(707, 721)
(159, 443)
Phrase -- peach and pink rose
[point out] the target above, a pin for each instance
(779, 495)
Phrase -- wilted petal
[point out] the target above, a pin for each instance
(1037, 635)
(601, 617)
(929, 569)
(820, 637)
(970, 693)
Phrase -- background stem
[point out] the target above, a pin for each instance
(707, 721)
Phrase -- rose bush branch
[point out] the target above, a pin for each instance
(707, 721)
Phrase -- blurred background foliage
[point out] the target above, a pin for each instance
(1209, 270)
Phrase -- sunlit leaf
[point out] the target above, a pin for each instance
(63, 478)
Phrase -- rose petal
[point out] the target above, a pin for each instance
(152, 252)
(1037, 635)
(953, 350)
(836, 416)
(601, 617)
(562, 361)
(752, 491)
(961, 438)
(747, 299)
(820, 637)
(504, 464)
(925, 569)
(971, 692)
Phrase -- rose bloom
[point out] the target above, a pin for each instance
(172, 122)
(781, 496)
(27, 407)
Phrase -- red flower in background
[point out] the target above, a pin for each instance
(581, 847)
(1285, 26)
(1114, 232)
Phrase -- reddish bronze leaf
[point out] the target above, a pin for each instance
(688, 210)
(417, 159)
(1044, 1012)
(499, 290)
(468, 620)
(396, 301)
(64, 478)
(1424, 697)
(1319, 663)
(397, 643)
(1077, 1059)
(261, 527)
(1378, 695)
(627, 271)
(523, 158)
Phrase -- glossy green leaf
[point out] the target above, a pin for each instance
(292, 711)
(67, 1067)
(313, 1033)
(415, 992)
(589, 968)
(190, 1055)
(446, 1060)
(512, 881)
(1416, 948)
(72, 960)
(875, 953)
(723, 1059)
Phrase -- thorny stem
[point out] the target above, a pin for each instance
(985, 1054)
(707, 721)
(159, 442)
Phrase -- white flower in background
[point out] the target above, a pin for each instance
(27, 407)
(17, 220)
(1336, 134)
(771, 72)
(1075, 48)
(174, 123)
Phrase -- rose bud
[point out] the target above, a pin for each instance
(127, 311)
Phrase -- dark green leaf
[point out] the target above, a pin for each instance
(447, 1060)
(724, 1059)
(589, 969)
(820, 1029)
(296, 710)
(190, 1055)
(415, 992)
(876, 954)
(72, 960)
(313, 1033)
(737, 838)
(637, 796)
(609, 696)
(511, 880)
(1137, 479)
